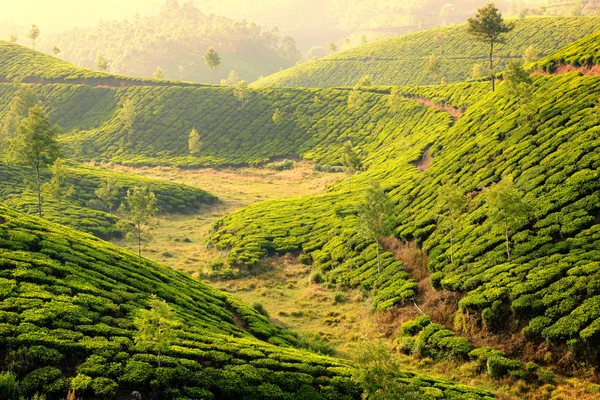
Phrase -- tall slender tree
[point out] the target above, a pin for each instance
(352, 162)
(489, 27)
(212, 60)
(35, 146)
(101, 63)
(108, 193)
(451, 202)
(139, 208)
(57, 187)
(194, 142)
(241, 92)
(376, 214)
(506, 206)
(156, 326)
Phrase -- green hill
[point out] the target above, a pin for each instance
(26, 65)
(548, 292)
(83, 210)
(68, 301)
(584, 52)
(401, 60)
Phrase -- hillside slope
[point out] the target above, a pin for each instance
(401, 60)
(548, 292)
(68, 302)
(583, 54)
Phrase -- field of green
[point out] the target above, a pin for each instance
(548, 292)
(68, 301)
(83, 210)
(401, 60)
(584, 52)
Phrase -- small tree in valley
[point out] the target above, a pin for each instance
(433, 66)
(33, 34)
(352, 162)
(159, 73)
(451, 202)
(531, 55)
(375, 216)
(35, 146)
(156, 326)
(108, 193)
(139, 208)
(507, 207)
(194, 142)
(127, 115)
(232, 79)
(101, 63)
(489, 27)
(57, 187)
(476, 72)
(212, 60)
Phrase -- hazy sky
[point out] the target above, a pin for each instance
(58, 15)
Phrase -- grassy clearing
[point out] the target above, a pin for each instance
(180, 240)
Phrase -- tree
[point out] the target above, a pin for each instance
(376, 216)
(232, 79)
(55, 50)
(12, 38)
(364, 81)
(520, 86)
(35, 146)
(159, 73)
(531, 55)
(156, 326)
(108, 193)
(139, 208)
(18, 109)
(476, 72)
(194, 143)
(352, 162)
(127, 115)
(332, 46)
(212, 61)
(433, 66)
(507, 207)
(101, 63)
(364, 40)
(354, 99)
(289, 51)
(451, 202)
(489, 27)
(277, 117)
(378, 372)
(241, 92)
(395, 99)
(33, 34)
(56, 187)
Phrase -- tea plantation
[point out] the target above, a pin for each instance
(83, 210)
(549, 290)
(401, 60)
(583, 53)
(67, 303)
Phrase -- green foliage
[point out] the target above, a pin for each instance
(212, 61)
(9, 387)
(194, 142)
(155, 326)
(56, 187)
(282, 165)
(584, 52)
(400, 60)
(139, 208)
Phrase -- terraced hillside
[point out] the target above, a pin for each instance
(26, 65)
(68, 304)
(548, 292)
(401, 60)
(83, 210)
(584, 53)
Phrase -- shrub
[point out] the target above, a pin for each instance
(339, 298)
(316, 277)
(9, 387)
(261, 309)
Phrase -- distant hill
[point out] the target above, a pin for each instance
(176, 40)
(401, 60)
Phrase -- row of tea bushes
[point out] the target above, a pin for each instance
(584, 52)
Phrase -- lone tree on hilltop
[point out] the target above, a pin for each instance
(156, 326)
(159, 73)
(35, 146)
(12, 38)
(139, 208)
(33, 34)
(212, 60)
(101, 63)
(375, 215)
(57, 187)
(489, 27)
(507, 207)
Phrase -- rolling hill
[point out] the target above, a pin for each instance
(401, 60)
(68, 302)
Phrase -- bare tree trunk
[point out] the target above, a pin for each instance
(492, 65)
(507, 243)
(39, 191)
